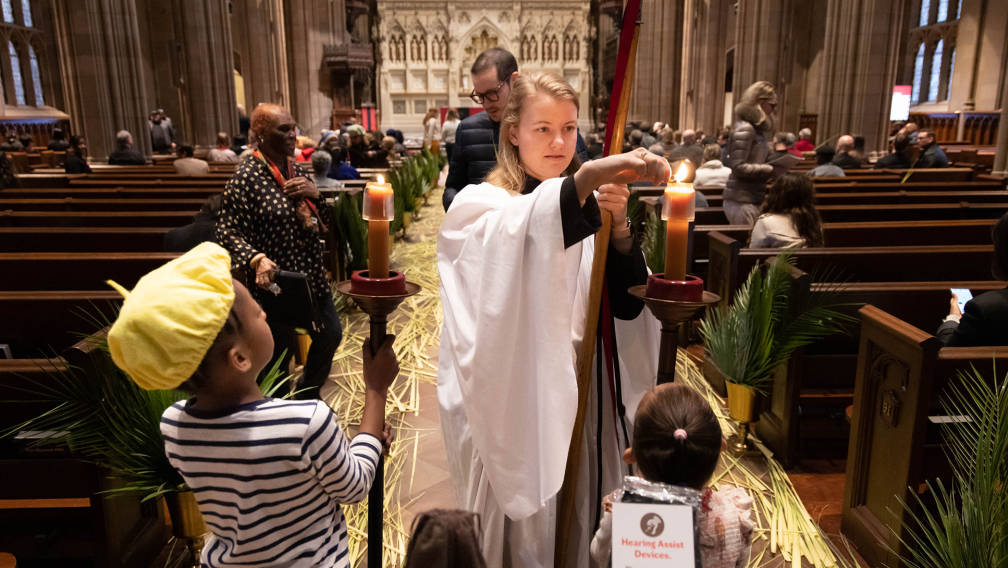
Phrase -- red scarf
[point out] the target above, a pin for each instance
(281, 180)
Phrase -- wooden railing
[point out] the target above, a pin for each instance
(810, 121)
(980, 128)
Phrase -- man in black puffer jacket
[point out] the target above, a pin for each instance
(475, 150)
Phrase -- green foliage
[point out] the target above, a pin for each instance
(769, 319)
(403, 181)
(353, 231)
(635, 209)
(107, 419)
(653, 243)
(969, 525)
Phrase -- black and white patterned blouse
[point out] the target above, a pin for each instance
(258, 217)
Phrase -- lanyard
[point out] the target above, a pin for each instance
(280, 180)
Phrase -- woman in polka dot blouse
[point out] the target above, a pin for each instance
(271, 219)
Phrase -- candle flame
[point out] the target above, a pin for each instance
(381, 179)
(681, 173)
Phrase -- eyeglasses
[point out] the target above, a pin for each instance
(491, 95)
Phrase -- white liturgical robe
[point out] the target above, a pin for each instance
(514, 304)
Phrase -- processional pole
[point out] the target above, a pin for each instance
(618, 105)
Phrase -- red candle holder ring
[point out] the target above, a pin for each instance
(364, 285)
(689, 290)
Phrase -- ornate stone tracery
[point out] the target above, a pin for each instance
(429, 65)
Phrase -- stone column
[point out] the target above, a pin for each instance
(1001, 155)
(706, 40)
(103, 80)
(257, 31)
(310, 25)
(864, 39)
(658, 70)
(763, 47)
(207, 85)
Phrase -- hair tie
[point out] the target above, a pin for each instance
(680, 434)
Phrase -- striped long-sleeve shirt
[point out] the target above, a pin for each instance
(269, 478)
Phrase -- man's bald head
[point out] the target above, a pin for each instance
(845, 144)
(689, 137)
(266, 117)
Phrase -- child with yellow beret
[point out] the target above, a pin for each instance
(269, 475)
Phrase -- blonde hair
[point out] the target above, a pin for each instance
(756, 93)
(509, 173)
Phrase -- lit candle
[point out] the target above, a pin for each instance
(378, 211)
(677, 211)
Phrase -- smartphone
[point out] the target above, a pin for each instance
(964, 295)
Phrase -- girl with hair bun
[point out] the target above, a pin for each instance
(677, 441)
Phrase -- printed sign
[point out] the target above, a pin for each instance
(650, 535)
(900, 109)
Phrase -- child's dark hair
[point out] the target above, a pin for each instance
(224, 341)
(689, 458)
(444, 538)
(793, 195)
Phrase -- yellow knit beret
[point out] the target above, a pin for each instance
(170, 320)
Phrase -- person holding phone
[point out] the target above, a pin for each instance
(981, 321)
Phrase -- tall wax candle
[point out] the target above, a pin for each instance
(678, 210)
(378, 210)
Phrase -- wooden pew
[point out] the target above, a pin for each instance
(43, 323)
(87, 204)
(57, 495)
(201, 193)
(82, 239)
(822, 375)
(872, 233)
(902, 372)
(844, 185)
(730, 264)
(76, 270)
(854, 213)
(896, 197)
(95, 218)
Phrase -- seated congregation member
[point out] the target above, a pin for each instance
(321, 163)
(478, 136)
(7, 177)
(712, 174)
(804, 143)
(58, 143)
(595, 147)
(270, 476)
(361, 153)
(748, 149)
(76, 159)
(238, 145)
(845, 158)
(305, 147)
(187, 165)
(273, 219)
(677, 441)
(514, 258)
(222, 154)
(825, 168)
(201, 230)
(688, 150)
(931, 155)
(898, 158)
(11, 144)
(788, 218)
(125, 154)
(780, 147)
(27, 143)
(984, 321)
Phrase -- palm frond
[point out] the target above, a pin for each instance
(767, 321)
(108, 420)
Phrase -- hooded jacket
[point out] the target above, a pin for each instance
(747, 153)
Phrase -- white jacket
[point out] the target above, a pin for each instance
(711, 175)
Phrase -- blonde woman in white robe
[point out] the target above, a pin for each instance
(514, 257)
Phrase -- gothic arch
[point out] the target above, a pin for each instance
(482, 35)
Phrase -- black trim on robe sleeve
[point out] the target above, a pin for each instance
(625, 271)
(578, 222)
